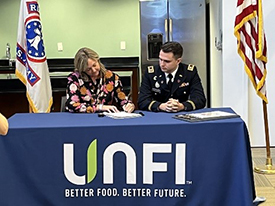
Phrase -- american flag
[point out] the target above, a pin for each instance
(250, 35)
(31, 63)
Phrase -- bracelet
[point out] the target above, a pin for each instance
(100, 107)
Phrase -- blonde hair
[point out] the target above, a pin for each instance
(81, 62)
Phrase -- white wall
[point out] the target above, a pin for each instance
(255, 123)
(237, 90)
(216, 78)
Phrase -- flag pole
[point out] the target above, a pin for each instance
(267, 168)
(30, 109)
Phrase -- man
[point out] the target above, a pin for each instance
(183, 92)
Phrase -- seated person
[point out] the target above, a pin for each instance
(4, 125)
(92, 88)
(184, 92)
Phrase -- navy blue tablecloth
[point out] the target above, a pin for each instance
(82, 159)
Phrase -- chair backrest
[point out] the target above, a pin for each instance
(62, 104)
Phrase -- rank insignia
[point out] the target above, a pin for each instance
(190, 67)
(150, 69)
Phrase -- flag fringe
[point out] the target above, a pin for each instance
(259, 52)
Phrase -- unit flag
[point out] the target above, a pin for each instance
(31, 63)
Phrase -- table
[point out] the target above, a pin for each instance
(82, 159)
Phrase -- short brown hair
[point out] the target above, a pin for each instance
(173, 47)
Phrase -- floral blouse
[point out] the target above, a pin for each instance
(85, 96)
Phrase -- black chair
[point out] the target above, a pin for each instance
(62, 105)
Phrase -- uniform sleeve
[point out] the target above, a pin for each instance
(77, 98)
(197, 98)
(145, 98)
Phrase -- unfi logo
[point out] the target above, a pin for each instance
(69, 164)
(149, 166)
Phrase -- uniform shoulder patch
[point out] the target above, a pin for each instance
(150, 69)
(190, 67)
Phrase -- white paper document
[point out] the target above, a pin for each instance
(203, 116)
(121, 115)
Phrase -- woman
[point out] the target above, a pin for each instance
(4, 125)
(92, 88)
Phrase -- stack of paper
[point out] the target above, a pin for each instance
(122, 115)
(203, 116)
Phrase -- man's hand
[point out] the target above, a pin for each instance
(172, 105)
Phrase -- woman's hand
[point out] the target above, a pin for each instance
(129, 107)
(109, 108)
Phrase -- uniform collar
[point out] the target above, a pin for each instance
(173, 73)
